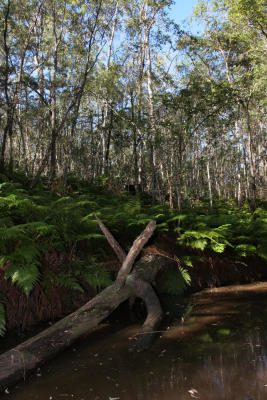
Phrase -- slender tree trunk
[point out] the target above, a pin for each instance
(9, 113)
(107, 109)
(209, 185)
(54, 133)
(135, 154)
(152, 144)
(252, 178)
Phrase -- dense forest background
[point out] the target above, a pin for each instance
(109, 107)
(114, 90)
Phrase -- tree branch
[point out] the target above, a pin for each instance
(112, 241)
(137, 246)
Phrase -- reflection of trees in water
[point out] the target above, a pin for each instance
(232, 371)
(227, 361)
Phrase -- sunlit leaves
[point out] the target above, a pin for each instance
(25, 276)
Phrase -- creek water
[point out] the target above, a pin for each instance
(219, 352)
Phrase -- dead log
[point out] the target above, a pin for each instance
(16, 363)
(142, 288)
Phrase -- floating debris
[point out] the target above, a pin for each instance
(194, 393)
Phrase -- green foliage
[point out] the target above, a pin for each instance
(205, 237)
(66, 280)
(189, 261)
(245, 250)
(98, 277)
(39, 222)
(177, 281)
(24, 276)
(227, 228)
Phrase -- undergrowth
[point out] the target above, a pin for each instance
(36, 222)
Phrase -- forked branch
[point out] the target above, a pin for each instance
(112, 241)
(127, 261)
(137, 246)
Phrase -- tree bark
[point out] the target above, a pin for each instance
(111, 240)
(133, 253)
(18, 362)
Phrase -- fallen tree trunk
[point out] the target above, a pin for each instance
(16, 363)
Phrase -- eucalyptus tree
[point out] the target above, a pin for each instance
(50, 50)
(79, 33)
(239, 52)
(144, 23)
(18, 22)
(98, 88)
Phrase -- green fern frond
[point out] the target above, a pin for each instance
(262, 250)
(66, 280)
(214, 238)
(190, 260)
(163, 227)
(246, 249)
(26, 254)
(193, 239)
(25, 276)
(187, 260)
(3, 260)
(179, 217)
(241, 263)
(177, 281)
(89, 236)
(13, 233)
(98, 277)
(217, 247)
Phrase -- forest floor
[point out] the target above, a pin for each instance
(54, 257)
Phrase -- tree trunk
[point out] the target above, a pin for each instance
(18, 362)
(209, 185)
(252, 180)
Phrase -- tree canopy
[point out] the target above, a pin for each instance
(115, 89)
(101, 99)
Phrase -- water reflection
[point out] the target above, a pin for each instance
(219, 353)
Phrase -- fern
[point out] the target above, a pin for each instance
(15, 233)
(66, 280)
(206, 238)
(245, 250)
(26, 255)
(189, 260)
(98, 277)
(32, 223)
(24, 276)
(177, 281)
(88, 236)
(262, 250)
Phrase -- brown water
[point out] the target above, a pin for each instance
(218, 353)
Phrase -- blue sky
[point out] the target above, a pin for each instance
(181, 10)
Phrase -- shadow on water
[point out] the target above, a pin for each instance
(218, 353)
